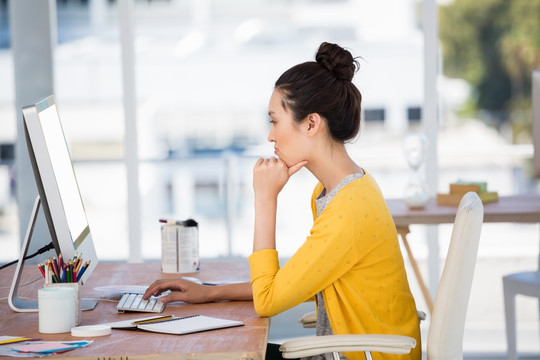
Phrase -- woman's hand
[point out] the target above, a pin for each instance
(181, 290)
(270, 176)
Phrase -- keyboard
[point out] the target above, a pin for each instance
(135, 302)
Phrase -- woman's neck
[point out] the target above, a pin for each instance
(332, 166)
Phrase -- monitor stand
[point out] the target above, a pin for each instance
(16, 303)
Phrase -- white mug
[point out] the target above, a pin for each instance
(57, 309)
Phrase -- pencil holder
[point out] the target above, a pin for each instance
(77, 287)
(179, 248)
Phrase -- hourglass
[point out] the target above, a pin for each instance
(416, 192)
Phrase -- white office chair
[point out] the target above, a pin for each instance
(525, 283)
(445, 335)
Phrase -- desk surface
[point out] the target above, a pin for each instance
(516, 208)
(245, 342)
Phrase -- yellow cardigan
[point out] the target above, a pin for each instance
(353, 256)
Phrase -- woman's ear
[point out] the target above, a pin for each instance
(313, 124)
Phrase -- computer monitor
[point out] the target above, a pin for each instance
(58, 197)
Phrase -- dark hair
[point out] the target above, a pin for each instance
(325, 87)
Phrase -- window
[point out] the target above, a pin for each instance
(414, 114)
(374, 115)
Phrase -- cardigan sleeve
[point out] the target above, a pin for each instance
(328, 253)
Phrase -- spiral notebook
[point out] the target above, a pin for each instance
(177, 325)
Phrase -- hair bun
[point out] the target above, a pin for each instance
(337, 60)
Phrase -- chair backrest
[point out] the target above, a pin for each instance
(445, 335)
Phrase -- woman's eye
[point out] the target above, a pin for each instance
(273, 122)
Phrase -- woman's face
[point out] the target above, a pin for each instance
(288, 140)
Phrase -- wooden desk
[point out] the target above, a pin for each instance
(517, 208)
(245, 342)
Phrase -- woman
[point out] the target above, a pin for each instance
(351, 262)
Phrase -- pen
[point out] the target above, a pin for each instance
(68, 271)
(40, 266)
(78, 267)
(75, 260)
(47, 274)
(72, 271)
(82, 269)
(60, 268)
(156, 319)
(15, 340)
(52, 271)
(52, 264)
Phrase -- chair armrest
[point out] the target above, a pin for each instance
(314, 345)
(309, 320)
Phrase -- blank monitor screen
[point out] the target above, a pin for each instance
(63, 171)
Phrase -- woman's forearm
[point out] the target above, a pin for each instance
(264, 236)
(240, 291)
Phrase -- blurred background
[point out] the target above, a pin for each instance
(204, 72)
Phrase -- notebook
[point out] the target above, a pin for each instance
(176, 325)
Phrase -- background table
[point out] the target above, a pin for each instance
(245, 342)
(516, 208)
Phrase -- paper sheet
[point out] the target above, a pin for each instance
(40, 348)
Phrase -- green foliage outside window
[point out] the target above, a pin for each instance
(494, 45)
